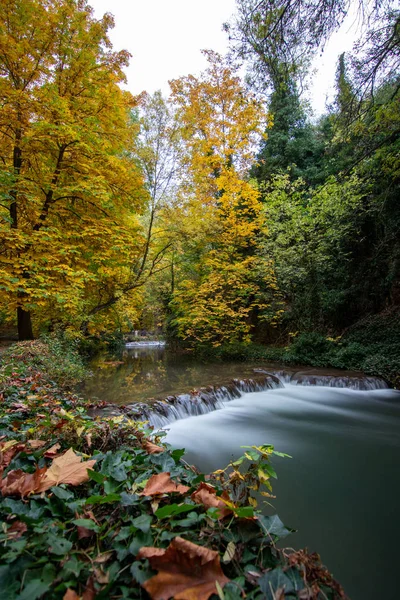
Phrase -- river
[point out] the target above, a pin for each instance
(341, 488)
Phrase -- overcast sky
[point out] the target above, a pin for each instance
(165, 38)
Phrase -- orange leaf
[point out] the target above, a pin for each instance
(186, 571)
(152, 448)
(162, 484)
(19, 483)
(67, 468)
(89, 593)
(70, 595)
(207, 496)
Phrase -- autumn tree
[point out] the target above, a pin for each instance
(222, 281)
(158, 151)
(70, 239)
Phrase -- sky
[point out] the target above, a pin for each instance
(165, 38)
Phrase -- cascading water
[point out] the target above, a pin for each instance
(340, 489)
(199, 402)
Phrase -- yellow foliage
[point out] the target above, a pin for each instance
(71, 191)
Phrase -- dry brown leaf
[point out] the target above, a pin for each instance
(162, 484)
(16, 530)
(35, 444)
(84, 532)
(67, 468)
(104, 557)
(53, 451)
(70, 595)
(186, 571)
(90, 592)
(19, 483)
(8, 450)
(207, 496)
(102, 577)
(152, 448)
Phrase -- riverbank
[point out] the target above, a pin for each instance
(84, 501)
(371, 346)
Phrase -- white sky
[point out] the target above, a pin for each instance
(165, 38)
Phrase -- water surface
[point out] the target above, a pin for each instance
(341, 488)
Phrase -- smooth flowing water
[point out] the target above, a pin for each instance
(341, 488)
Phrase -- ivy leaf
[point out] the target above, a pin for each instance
(173, 509)
(103, 499)
(58, 545)
(142, 522)
(273, 526)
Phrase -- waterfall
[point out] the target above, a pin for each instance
(199, 402)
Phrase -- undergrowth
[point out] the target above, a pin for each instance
(140, 519)
(371, 346)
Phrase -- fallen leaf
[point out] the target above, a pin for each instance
(67, 468)
(229, 553)
(8, 450)
(89, 593)
(152, 448)
(19, 483)
(207, 496)
(84, 532)
(35, 444)
(16, 530)
(104, 557)
(162, 484)
(70, 595)
(186, 571)
(53, 451)
(101, 577)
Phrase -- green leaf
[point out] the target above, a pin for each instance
(35, 589)
(62, 494)
(96, 476)
(252, 455)
(141, 539)
(142, 522)
(271, 581)
(177, 454)
(245, 511)
(128, 499)
(38, 583)
(103, 499)
(273, 526)
(58, 545)
(141, 571)
(173, 509)
(281, 454)
(87, 523)
(9, 584)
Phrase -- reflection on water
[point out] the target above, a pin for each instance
(147, 373)
(341, 488)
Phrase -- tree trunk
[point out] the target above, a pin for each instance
(24, 324)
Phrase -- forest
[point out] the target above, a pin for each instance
(224, 218)
(224, 215)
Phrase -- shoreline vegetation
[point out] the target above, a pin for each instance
(101, 508)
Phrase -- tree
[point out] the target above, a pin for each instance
(70, 239)
(278, 38)
(223, 283)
